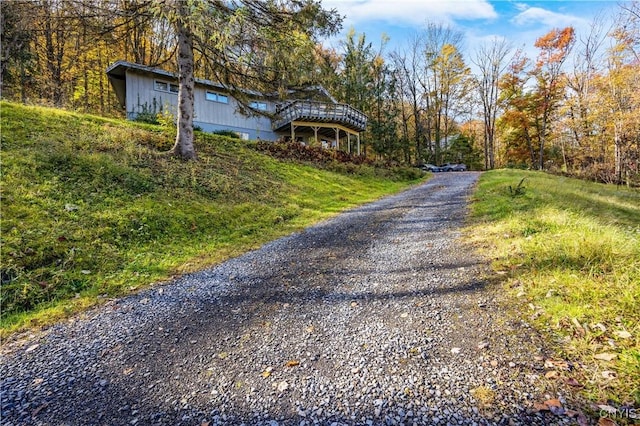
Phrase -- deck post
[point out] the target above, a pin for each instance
(358, 143)
(315, 132)
(337, 138)
(293, 132)
(349, 142)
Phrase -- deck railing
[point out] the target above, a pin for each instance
(321, 112)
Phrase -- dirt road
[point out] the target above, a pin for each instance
(378, 316)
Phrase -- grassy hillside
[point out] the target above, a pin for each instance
(93, 208)
(569, 253)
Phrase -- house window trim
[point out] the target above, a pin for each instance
(216, 97)
(169, 86)
(259, 105)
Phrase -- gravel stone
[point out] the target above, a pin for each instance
(348, 322)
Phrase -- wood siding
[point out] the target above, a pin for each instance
(209, 115)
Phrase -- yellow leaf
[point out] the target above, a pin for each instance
(292, 363)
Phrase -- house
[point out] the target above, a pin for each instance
(310, 116)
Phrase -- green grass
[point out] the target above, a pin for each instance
(569, 251)
(94, 208)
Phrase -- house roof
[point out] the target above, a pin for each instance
(117, 71)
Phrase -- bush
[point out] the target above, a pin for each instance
(227, 133)
(313, 154)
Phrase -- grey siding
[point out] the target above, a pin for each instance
(210, 116)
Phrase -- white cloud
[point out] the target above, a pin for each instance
(537, 15)
(411, 12)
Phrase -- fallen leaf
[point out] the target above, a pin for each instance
(579, 416)
(608, 409)
(205, 423)
(404, 315)
(606, 356)
(605, 421)
(483, 345)
(553, 403)
(555, 406)
(539, 406)
(455, 350)
(599, 326)
(32, 348)
(552, 374)
(623, 334)
(354, 304)
(292, 363)
(267, 372)
(37, 381)
(573, 382)
(576, 323)
(282, 386)
(223, 355)
(40, 408)
(550, 363)
(608, 374)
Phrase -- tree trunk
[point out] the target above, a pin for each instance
(617, 154)
(183, 147)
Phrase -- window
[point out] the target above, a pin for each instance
(163, 86)
(217, 97)
(261, 106)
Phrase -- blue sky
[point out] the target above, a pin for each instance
(520, 22)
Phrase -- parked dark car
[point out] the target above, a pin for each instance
(429, 168)
(432, 168)
(454, 167)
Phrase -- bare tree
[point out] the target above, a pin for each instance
(490, 60)
(443, 70)
(409, 66)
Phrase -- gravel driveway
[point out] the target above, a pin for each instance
(378, 316)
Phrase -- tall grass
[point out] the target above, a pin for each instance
(94, 208)
(569, 251)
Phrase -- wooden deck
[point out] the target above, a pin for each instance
(320, 113)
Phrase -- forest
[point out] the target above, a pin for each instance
(573, 109)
